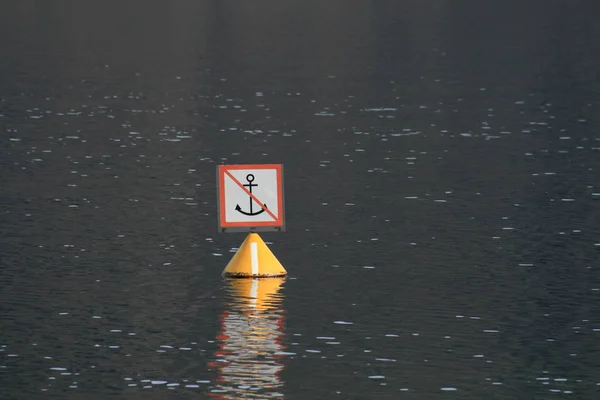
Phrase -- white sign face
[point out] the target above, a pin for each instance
(250, 196)
(240, 206)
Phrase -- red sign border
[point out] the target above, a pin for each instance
(222, 172)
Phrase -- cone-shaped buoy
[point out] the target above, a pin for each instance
(254, 260)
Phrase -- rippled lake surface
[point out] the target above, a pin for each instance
(442, 192)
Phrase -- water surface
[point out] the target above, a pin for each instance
(441, 178)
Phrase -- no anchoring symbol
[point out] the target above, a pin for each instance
(250, 185)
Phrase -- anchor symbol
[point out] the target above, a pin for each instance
(250, 185)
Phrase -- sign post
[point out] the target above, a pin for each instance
(250, 199)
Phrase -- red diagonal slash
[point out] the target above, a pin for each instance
(260, 203)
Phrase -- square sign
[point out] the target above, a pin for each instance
(250, 197)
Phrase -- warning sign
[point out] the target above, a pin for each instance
(250, 197)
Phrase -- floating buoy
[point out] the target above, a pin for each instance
(254, 259)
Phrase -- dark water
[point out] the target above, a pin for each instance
(442, 176)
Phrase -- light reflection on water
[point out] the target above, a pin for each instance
(248, 361)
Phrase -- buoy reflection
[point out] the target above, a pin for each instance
(248, 361)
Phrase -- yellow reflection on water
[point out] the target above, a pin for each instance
(248, 361)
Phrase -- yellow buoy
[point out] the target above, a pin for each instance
(254, 260)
